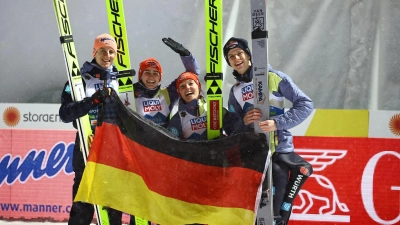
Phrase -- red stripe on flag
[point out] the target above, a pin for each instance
(176, 178)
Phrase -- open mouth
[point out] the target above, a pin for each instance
(189, 93)
(238, 64)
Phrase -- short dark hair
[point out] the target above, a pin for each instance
(235, 43)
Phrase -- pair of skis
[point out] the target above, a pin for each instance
(118, 30)
(213, 25)
(116, 23)
(213, 20)
(77, 88)
(214, 76)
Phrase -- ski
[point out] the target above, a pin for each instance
(259, 36)
(213, 15)
(116, 22)
(76, 85)
(213, 29)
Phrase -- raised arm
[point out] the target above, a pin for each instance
(189, 62)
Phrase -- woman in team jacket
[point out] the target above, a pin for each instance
(189, 113)
(151, 100)
(94, 73)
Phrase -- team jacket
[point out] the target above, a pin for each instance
(156, 104)
(189, 120)
(281, 86)
(70, 110)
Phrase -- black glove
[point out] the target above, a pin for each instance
(178, 48)
(100, 95)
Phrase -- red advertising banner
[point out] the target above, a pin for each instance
(355, 155)
(355, 181)
(36, 174)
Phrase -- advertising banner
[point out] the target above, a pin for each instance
(355, 181)
(36, 173)
(354, 153)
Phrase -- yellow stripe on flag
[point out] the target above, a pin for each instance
(148, 204)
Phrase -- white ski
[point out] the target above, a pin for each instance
(259, 36)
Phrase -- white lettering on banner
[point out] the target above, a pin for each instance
(333, 209)
(367, 182)
(37, 164)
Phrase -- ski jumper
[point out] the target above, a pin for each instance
(156, 104)
(82, 213)
(284, 160)
(189, 120)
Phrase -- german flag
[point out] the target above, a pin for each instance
(141, 169)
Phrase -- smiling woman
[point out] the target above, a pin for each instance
(104, 50)
(98, 77)
(153, 101)
(189, 114)
(150, 73)
(188, 86)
